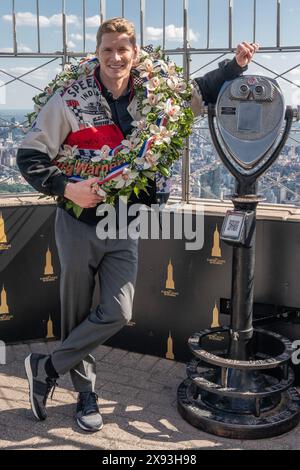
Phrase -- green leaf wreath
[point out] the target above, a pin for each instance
(158, 137)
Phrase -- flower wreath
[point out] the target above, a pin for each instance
(157, 139)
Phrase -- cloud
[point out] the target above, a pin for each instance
(76, 36)
(71, 45)
(173, 33)
(6, 49)
(21, 48)
(29, 19)
(79, 37)
(93, 21)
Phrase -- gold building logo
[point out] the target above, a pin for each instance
(170, 284)
(50, 328)
(216, 253)
(49, 275)
(170, 353)
(216, 324)
(215, 321)
(4, 245)
(4, 309)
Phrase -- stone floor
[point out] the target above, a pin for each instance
(137, 398)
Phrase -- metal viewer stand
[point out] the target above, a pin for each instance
(243, 390)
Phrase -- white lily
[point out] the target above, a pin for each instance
(49, 91)
(173, 111)
(152, 84)
(148, 160)
(146, 68)
(176, 85)
(126, 178)
(153, 99)
(69, 150)
(104, 154)
(161, 133)
(171, 68)
(140, 125)
(130, 145)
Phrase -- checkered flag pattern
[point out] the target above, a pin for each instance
(149, 49)
(78, 113)
(163, 184)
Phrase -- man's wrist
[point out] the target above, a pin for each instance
(68, 190)
(237, 65)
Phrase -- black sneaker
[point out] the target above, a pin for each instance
(87, 412)
(40, 384)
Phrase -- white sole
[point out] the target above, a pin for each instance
(30, 381)
(88, 429)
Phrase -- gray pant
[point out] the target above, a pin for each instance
(82, 257)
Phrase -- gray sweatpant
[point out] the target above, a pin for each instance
(83, 257)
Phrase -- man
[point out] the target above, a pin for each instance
(96, 110)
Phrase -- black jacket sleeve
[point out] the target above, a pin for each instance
(211, 83)
(38, 170)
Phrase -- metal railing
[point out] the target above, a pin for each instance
(186, 51)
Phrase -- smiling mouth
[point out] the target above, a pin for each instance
(116, 67)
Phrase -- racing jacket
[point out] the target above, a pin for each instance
(83, 118)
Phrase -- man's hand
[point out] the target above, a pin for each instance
(86, 193)
(245, 52)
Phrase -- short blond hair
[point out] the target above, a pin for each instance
(117, 25)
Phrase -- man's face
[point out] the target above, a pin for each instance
(116, 55)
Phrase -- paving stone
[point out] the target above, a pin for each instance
(101, 351)
(52, 345)
(131, 359)
(119, 389)
(21, 351)
(9, 354)
(114, 356)
(163, 366)
(38, 348)
(147, 363)
(111, 376)
(138, 401)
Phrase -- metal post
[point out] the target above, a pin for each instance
(254, 20)
(102, 10)
(230, 8)
(64, 33)
(278, 28)
(186, 68)
(142, 21)
(83, 23)
(164, 24)
(38, 24)
(208, 24)
(14, 28)
(243, 264)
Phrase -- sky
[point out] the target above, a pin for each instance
(18, 96)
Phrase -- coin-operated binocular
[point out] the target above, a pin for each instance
(245, 390)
